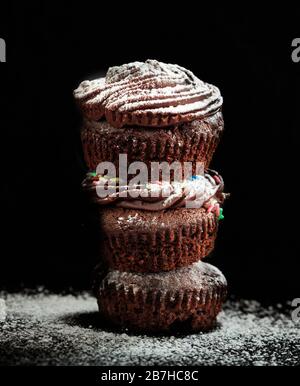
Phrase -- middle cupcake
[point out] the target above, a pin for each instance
(153, 232)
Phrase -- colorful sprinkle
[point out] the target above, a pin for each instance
(195, 178)
(217, 210)
(217, 179)
(221, 216)
(210, 208)
(92, 174)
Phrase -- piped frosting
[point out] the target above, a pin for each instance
(148, 93)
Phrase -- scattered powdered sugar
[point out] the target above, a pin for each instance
(129, 219)
(132, 219)
(47, 329)
(120, 220)
(2, 310)
(136, 219)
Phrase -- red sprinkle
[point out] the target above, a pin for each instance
(217, 179)
(217, 209)
(210, 208)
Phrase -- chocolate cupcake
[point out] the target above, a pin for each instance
(150, 111)
(187, 298)
(152, 234)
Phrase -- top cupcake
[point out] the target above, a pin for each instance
(150, 93)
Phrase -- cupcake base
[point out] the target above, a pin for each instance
(186, 299)
(143, 241)
(187, 142)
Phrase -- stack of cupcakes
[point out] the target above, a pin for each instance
(154, 279)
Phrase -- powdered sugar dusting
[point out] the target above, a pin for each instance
(136, 219)
(151, 93)
(195, 276)
(89, 87)
(67, 330)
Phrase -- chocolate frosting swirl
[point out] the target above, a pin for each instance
(200, 191)
(148, 93)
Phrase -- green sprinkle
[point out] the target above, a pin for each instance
(221, 216)
(92, 174)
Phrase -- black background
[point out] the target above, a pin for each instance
(247, 54)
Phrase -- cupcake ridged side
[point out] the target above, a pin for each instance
(189, 142)
(187, 298)
(140, 241)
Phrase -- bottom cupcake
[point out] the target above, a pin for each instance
(187, 298)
